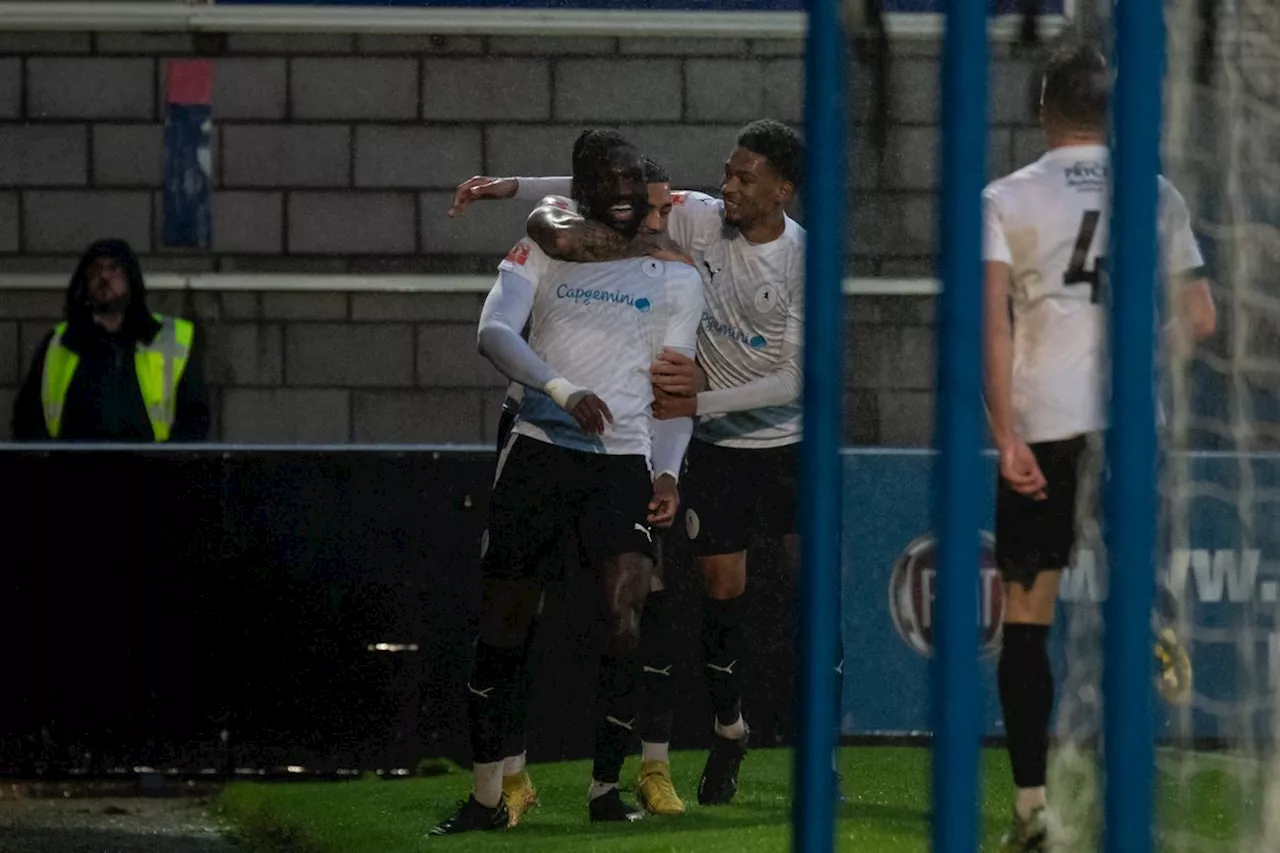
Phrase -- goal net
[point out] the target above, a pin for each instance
(1217, 774)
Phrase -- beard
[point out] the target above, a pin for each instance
(599, 210)
(107, 303)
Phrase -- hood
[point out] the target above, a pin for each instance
(138, 322)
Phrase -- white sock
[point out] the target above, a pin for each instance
(598, 789)
(487, 779)
(654, 751)
(733, 731)
(1028, 800)
(513, 765)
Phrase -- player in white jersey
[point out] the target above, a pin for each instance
(744, 388)
(1045, 235)
(583, 455)
(655, 789)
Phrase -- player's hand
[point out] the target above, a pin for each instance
(667, 406)
(676, 373)
(666, 500)
(591, 413)
(480, 187)
(1021, 471)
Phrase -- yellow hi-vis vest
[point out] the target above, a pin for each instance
(159, 364)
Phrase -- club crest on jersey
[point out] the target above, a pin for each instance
(589, 296)
(519, 254)
(912, 589)
(652, 267)
(678, 199)
(715, 327)
(766, 299)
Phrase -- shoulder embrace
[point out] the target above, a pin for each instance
(557, 201)
(694, 199)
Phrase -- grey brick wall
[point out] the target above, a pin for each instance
(337, 153)
(372, 120)
(402, 367)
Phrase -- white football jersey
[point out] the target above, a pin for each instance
(754, 316)
(1049, 222)
(600, 326)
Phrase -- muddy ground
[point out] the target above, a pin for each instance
(80, 817)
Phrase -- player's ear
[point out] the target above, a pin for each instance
(786, 192)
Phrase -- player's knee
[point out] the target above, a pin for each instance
(1032, 605)
(726, 576)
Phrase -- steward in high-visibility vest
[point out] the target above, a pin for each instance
(112, 370)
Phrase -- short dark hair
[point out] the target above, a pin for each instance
(592, 147)
(653, 172)
(779, 144)
(1077, 86)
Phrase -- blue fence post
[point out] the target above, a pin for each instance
(813, 810)
(958, 431)
(1131, 439)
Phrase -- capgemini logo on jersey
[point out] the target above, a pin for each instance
(587, 296)
(714, 326)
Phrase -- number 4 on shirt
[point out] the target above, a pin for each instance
(1076, 272)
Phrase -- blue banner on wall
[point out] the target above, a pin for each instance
(188, 159)
(1228, 583)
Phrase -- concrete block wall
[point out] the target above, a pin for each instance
(338, 153)
(374, 368)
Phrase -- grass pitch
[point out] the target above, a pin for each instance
(887, 810)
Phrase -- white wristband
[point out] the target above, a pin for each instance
(673, 474)
(565, 393)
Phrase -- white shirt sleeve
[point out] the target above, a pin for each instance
(505, 312)
(671, 437)
(995, 247)
(534, 189)
(696, 219)
(1179, 250)
(526, 260)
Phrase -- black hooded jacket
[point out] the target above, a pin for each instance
(104, 402)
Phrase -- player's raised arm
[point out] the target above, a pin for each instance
(480, 187)
(484, 187)
(568, 236)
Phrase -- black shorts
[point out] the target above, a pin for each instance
(1033, 536)
(731, 493)
(545, 496)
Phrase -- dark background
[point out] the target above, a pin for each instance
(167, 596)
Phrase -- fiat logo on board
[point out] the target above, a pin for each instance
(913, 587)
